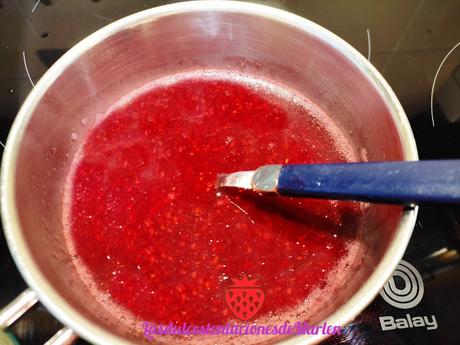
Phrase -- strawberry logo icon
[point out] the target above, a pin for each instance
(244, 298)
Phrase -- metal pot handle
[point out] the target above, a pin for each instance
(65, 336)
(15, 309)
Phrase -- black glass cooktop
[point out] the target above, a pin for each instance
(408, 41)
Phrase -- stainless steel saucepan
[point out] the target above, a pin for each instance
(85, 82)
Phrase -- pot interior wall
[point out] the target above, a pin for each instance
(183, 42)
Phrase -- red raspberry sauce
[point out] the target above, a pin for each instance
(146, 220)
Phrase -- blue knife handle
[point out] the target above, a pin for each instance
(401, 182)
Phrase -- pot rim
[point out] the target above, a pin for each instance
(56, 304)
